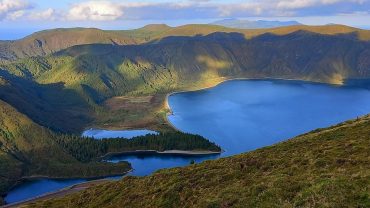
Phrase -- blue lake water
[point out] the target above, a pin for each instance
(128, 134)
(240, 115)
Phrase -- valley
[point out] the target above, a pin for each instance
(57, 83)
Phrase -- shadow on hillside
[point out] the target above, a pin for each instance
(50, 105)
(298, 55)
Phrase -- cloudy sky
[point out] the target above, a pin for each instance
(21, 17)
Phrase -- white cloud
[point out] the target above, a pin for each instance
(252, 8)
(12, 5)
(95, 10)
(271, 8)
(48, 14)
(15, 15)
(296, 4)
(299, 4)
(12, 9)
(111, 10)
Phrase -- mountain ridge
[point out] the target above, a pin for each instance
(50, 41)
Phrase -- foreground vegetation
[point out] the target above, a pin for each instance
(323, 168)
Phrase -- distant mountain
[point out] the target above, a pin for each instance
(50, 41)
(326, 167)
(248, 24)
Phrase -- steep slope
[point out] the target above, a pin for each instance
(299, 55)
(50, 105)
(324, 168)
(27, 149)
(50, 41)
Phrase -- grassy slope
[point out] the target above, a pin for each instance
(49, 41)
(324, 168)
(158, 66)
(50, 105)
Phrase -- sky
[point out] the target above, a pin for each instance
(19, 18)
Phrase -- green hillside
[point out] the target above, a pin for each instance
(50, 105)
(49, 41)
(323, 168)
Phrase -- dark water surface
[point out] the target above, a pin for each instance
(239, 115)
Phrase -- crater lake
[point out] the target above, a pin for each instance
(240, 116)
